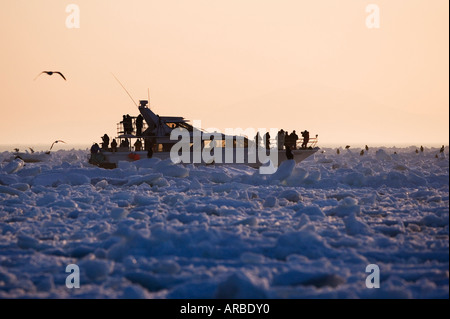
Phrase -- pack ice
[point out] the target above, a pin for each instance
(153, 229)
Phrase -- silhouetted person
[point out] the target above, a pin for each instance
(293, 137)
(267, 140)
(138, 145)
(280, 139)
(289, 154)
(95, 149)
(114, 145)
(129, 121)
(361, 153)
(139, 123)
(305, 135)
(421, 148)
(367, 148)
(150, 153)
(105, 139)
(338, 151)
(125, 143)
(442, 149)
(124, 124)
(257, 139)
(286, 139)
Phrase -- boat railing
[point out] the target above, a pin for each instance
(312, 142)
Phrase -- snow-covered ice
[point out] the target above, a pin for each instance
(153, 229)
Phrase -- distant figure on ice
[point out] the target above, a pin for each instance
(361, 153)
(421, 148)
(114, 145)
(267, 140)
(305, 135)
(338, 151)
(367, 148)
(289, 154)
(105, 139)
(280, 139)
(139, 123)
(442, 149)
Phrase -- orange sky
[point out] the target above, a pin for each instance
(288, 64)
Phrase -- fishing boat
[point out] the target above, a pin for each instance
(156, 139)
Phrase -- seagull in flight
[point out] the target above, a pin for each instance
(51, 73)
(56, 142)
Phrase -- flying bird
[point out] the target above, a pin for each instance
(56, 142)
(51, 73)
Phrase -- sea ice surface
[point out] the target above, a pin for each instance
(154, 229)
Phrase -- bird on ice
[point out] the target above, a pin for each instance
(51, 73)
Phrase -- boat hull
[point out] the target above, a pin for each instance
(112, 159)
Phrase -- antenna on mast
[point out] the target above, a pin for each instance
(125, 89)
